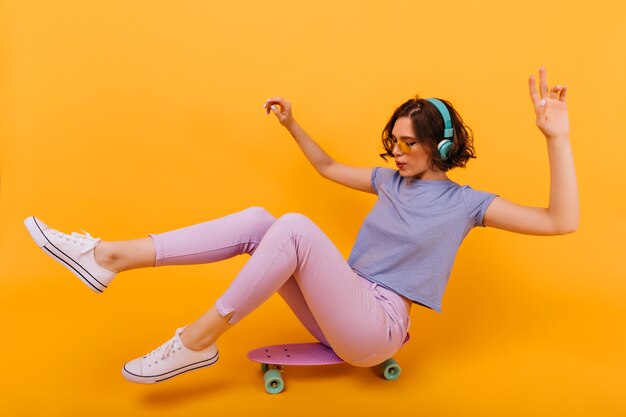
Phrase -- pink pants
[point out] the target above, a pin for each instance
(364, 323)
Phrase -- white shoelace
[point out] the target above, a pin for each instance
(91, 241)
(163, 352)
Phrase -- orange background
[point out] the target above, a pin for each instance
(128, 118)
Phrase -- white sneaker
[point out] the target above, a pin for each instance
(75, 252)
(170, 359)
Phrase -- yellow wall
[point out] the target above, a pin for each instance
(126, 118)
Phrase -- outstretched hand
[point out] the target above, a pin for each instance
(550, 106)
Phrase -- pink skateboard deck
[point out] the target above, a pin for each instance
(274, 358)
(295, 354)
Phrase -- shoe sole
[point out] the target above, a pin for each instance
(153, 379)
(58, 255)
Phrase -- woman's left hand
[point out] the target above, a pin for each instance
(550, 106)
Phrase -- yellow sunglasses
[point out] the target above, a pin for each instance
(404, 146)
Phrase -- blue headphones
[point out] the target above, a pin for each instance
(446, 144)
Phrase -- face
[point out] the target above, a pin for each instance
(415, 162)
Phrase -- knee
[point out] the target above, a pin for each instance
(261, 215)
(295, 221)
(294, 218)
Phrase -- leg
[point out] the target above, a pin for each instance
(210, 242)
(206, 242)
(205, 331)
(292, 294)
(364, 324)
(96, 262)
(124, 255)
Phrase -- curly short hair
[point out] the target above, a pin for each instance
(428, 128)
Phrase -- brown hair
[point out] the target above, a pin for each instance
(428, 129)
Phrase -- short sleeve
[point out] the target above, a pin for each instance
(379, 175)
(374, 178)
(476, 203)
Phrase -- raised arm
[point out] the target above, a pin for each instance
(352, 177)
(561, 215)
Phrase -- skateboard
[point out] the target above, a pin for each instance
(273, 360)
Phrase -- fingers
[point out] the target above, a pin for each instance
(558, 92)
(563, 93)
(543, 82)
(271, 102)
(534, 94)
(266, 105)
(275, 100)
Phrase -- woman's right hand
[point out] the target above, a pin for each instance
(281, 108)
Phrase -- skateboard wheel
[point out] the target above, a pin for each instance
(390, 369)
(265, 367)
(273, 381)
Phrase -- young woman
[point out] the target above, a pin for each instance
(403, 253)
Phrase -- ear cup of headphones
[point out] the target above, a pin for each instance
(444, 148)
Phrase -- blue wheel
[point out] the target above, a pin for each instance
(265, 367)
(273, 381)
(390, 369)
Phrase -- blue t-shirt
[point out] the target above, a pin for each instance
(408, 241)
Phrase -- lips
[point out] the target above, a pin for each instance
(400, 164)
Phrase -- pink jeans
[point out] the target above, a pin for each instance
(363, 322)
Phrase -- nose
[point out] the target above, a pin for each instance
(396, 149)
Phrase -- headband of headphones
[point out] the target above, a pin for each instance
(448, 131)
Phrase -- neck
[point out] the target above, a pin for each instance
(430, 176)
